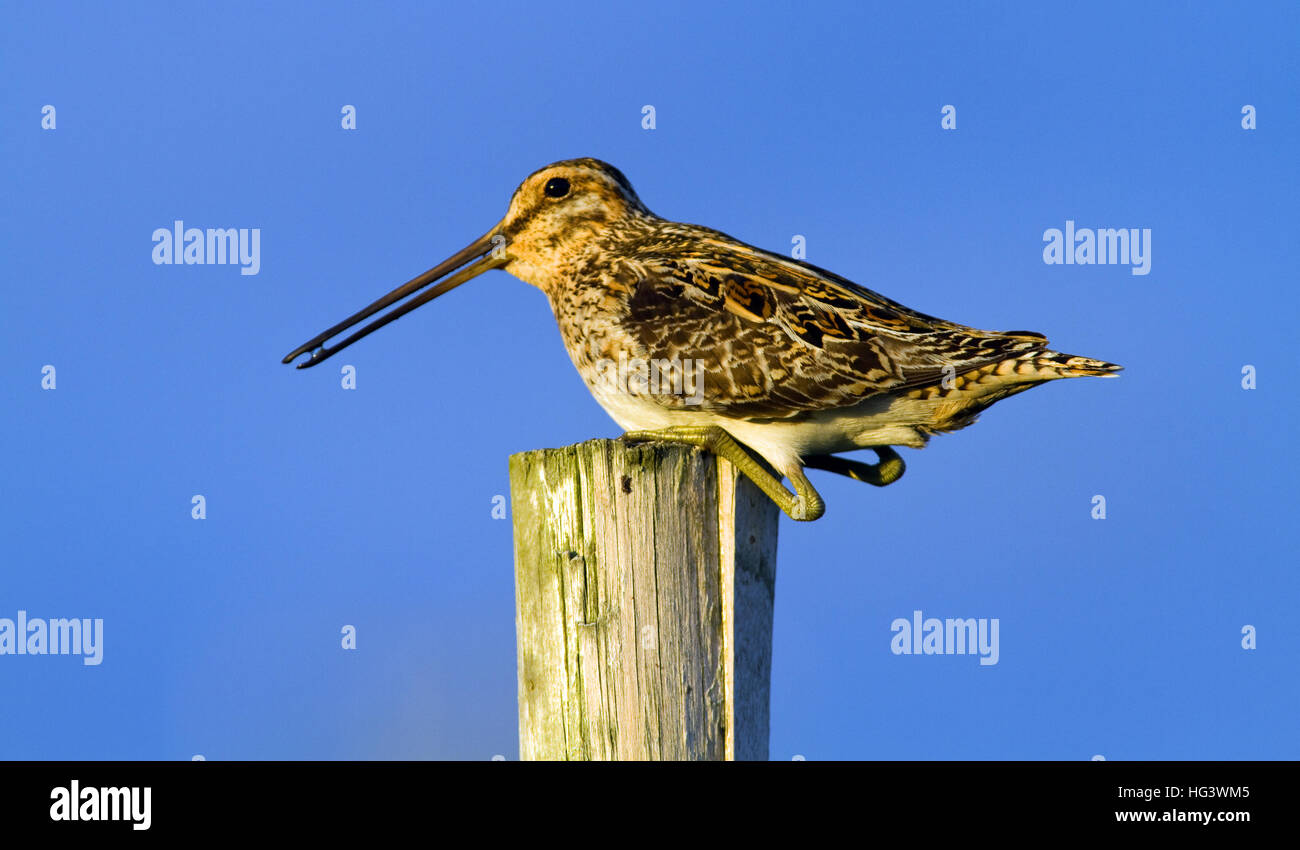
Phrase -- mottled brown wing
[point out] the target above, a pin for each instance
(776, 338)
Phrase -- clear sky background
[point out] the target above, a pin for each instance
(1118, 637)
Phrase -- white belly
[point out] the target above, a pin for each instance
(871, 423)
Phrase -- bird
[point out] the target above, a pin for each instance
(685, 334)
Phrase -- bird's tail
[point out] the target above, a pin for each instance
(1054, 364)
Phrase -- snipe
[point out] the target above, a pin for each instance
(685, 334)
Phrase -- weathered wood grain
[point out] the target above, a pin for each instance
(644, 580)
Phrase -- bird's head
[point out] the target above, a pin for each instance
(556, 214)
(559, 211)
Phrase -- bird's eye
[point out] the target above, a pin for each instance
(556, 187)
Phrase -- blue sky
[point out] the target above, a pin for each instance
(1119, 637)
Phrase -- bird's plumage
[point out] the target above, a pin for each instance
(792, 338)
(777, 340)
(791, 360)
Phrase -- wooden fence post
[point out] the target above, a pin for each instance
(644, 585)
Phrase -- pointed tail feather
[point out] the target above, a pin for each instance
(1057, 365)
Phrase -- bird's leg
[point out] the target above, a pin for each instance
(886, 472)
(803, 505)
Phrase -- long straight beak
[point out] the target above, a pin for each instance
(481, 251)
